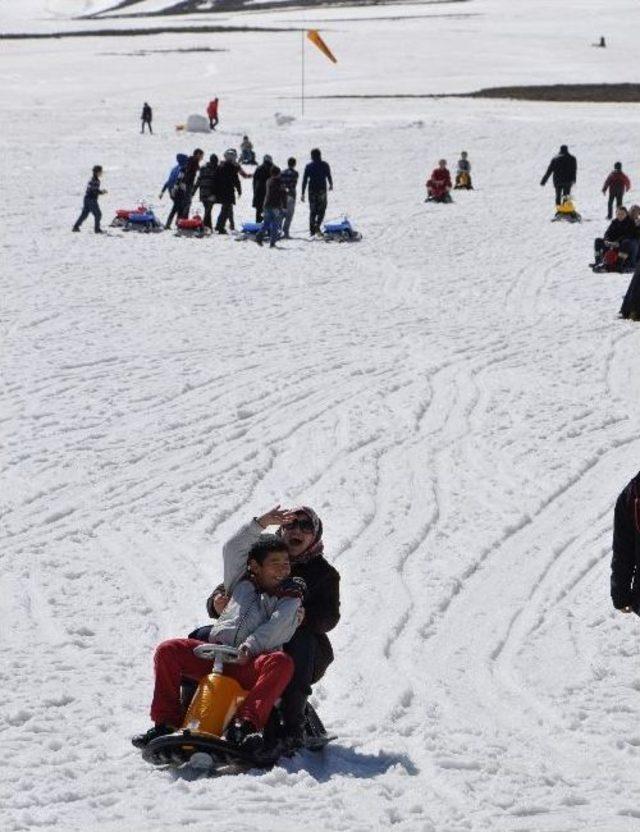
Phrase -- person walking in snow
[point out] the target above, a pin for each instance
(146, 117)
(207, 186)
(262, 173)
(564, 169)
(317, 175)
(617, 183)
(187, 185)
(172, 186)
(212, 112)
(275, 201)
(301, 530)
(289, 179)
(227, 186)
(90, 204)
(625, 562)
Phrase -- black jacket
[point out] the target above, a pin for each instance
(146, 113)
(227, 183)
(276, 193)
(190, 174)
(621, 230)
(260, 176)
(207, 181)
(625, 563)
(564, 169)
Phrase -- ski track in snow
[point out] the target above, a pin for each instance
(454, 395)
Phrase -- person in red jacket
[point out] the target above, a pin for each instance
(212, 112)
(439, 184)
(617, 183)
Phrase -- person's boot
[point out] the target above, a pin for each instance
(75, 228)
(245, 736)
(160, 729)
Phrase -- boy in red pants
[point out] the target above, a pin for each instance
(262, 615)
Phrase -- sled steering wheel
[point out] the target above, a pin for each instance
(217, 652)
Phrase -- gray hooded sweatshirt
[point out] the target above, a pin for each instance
(252, 618)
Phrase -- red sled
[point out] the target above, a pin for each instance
(193, 223)
(193, 227)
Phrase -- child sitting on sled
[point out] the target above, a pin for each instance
(263, 613)
(439, 184)
(463, 174)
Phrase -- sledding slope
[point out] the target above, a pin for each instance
(453, 394)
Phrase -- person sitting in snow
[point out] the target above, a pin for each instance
(617, 183)
(300, 529)
(261, 614)
(463, 173)
(622, 234)
(247, 153)
(439, 184)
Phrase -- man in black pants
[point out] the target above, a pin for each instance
(316, 174)
(310, 648)
(90, 205)
(146, 117)
(564, 168)
(625, 564)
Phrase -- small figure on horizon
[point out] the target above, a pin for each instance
(601, 43)
(617, 183)
(90, 205)
(564, 169)
(212, 112)
(146, 117)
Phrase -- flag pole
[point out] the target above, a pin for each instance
(302, 74)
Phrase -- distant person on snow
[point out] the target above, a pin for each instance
(90, 205)
(172, 186)
(617, 183)
(564, 169)
(147, 115)
(188, 183)
(317, 175)
(463, 173)
(439, 183)
(262, 613)
(290, 181)
(275, 202)
(262, 173)
(212, 112)
(247, 153)
(625, 563)
(227, 185)
(207, 187)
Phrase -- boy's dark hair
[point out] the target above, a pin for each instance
(97, 169)
(275, 170)
(291, 162)
(264, 546)
(198, 150)
(316, 155)
(617, 166)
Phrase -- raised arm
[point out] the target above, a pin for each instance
(235, 551)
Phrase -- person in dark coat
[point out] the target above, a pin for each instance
(310, 648)
(630, 309)
(172, 185)
(617, 183)
(262, 173)
(564, 169)
(290, 181)
(275, 202)
(188, 184)
(147, 115)
(625, 563)
(227, 185)
(317, 175)
(622, 233)
(207, 186)
(90, 204)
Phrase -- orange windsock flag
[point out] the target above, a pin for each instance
(314, 36)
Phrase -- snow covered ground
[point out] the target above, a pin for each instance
(454, 395)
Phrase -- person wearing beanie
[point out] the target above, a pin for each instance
(90, 204)
(301, 530)
(617, 183)
(564, 169)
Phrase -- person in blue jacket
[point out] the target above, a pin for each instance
(171, 185)
(317, 174)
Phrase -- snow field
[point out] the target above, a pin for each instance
(454, 395)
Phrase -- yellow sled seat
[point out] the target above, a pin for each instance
(214, 704)
(567, 207)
